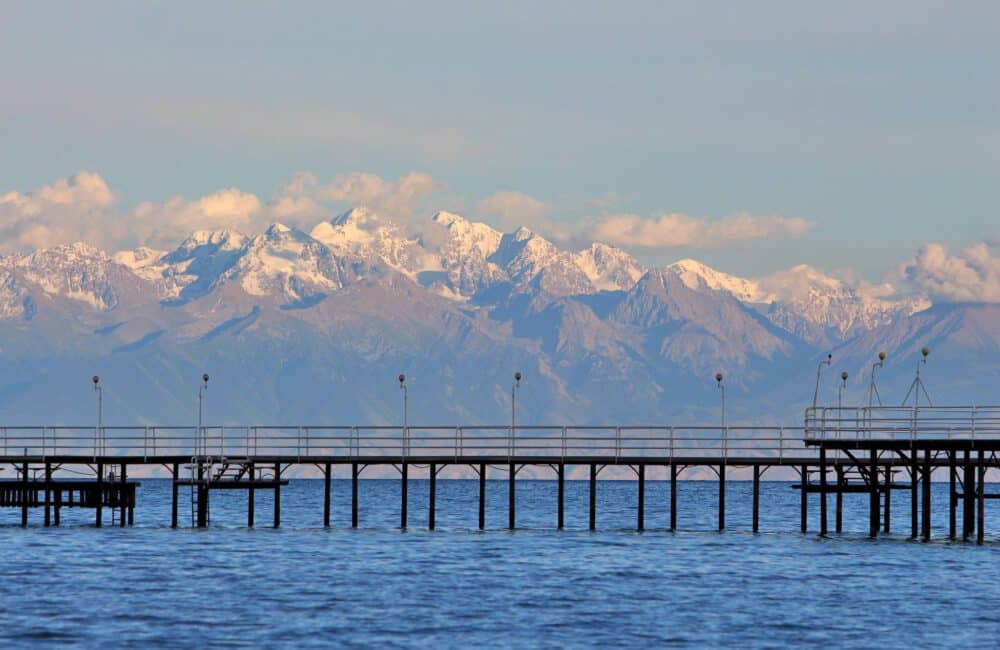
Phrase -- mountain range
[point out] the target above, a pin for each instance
(303, 327)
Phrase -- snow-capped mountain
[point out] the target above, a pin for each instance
(457, 305)
(361, 233)
(698, 276)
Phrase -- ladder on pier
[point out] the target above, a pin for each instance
(208, 472)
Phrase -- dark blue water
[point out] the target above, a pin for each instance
(301, 585)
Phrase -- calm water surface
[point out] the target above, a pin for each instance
(303, 586)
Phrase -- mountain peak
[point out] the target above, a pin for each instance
(357, 216)
(698, 276)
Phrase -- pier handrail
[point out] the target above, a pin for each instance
(556, 442)
(311, 441)
(894, 423)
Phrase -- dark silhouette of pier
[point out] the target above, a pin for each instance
(872, 451)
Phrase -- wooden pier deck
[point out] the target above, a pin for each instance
(838, 451)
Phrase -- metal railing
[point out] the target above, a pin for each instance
(305, 442)
(903, 423)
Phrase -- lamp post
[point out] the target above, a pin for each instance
(99, 432)
(918, 385)
(722, 393)
(840, 400)
(201, 444)
(406, 421)
(513, 406)
(872, 387)
(819, 368)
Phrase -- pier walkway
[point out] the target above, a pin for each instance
(838, 451)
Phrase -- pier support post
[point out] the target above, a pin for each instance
(100, 493)
(593, 496)
(925, 521)
(277, 494)
(58, 506)
(722, 496)
(873, 496)
(804, 498)
(48, 493)
(404, 481)
(981, 494)
(822, 491)
(756, 498)
(432, 497)
(914, 493)
(202, 504)
(952, 495)
(173, 495)
(673, 496)
(24, 495)
(354, 495)
(482, 496)
(511, 500)
(327, 481)
(122, 506)
(251, 497)
(560, 517)
(887, 515)
(968, 496)
(641, 506)
(839, 506)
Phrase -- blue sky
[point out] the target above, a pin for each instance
(877, 123)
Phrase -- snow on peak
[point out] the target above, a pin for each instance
(223, 239)
(608, 268)
(698, 276)
(277, 229)
(359, 216)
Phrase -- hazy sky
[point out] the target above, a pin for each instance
(874, 126)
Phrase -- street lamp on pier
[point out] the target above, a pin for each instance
(872, 387)
(201, 444)
(819, 368)
(406, 419)
(513, 404)
(722, 393)
(99, 432)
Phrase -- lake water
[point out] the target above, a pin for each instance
(305, 586)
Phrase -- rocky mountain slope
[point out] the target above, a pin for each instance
(297, 326)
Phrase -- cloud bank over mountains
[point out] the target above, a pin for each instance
(307, 317)
(85, 208)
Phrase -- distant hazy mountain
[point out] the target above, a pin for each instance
(314, 327)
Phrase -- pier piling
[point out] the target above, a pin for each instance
(673, 496)
(511, 496)
(756, 498)
(251, 498)
(432, 496)
(593, 496)
(354, 495)
(952, 495)
(641, 505)
(482, 496)
(925, 522)
(560, 517)
(822, 492)
(404, 480)
(173, 495)
(873, 495)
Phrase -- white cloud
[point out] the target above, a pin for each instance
(971, 276)
(73, 209)
(399, 198)
(677, 230)
(513, 209)
(163, 224)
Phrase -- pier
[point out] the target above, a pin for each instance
(839, 451)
